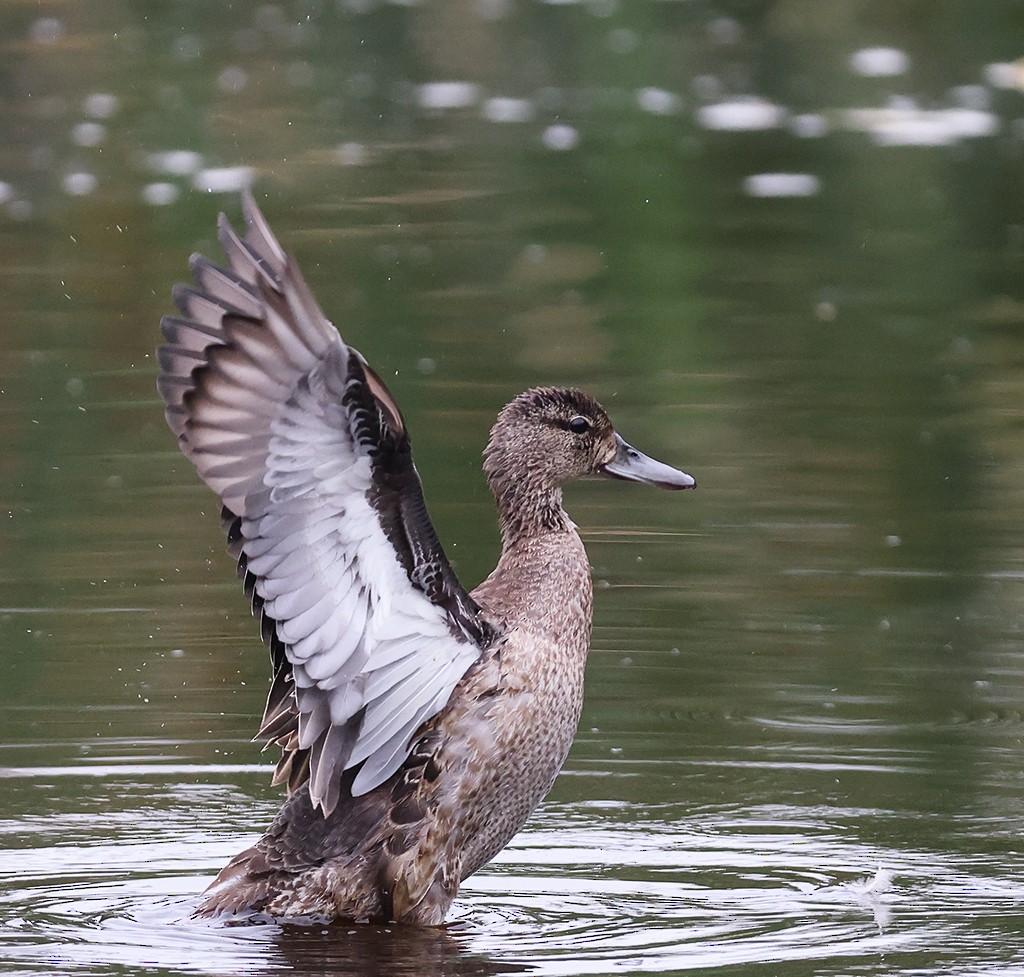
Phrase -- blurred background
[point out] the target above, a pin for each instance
(781, 241)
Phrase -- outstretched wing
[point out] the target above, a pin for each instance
(368, 627)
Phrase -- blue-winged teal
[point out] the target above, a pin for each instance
(420, 724)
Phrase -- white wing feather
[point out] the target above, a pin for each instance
(255, 380)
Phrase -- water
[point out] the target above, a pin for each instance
(780, 242)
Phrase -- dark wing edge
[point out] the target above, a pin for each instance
(397, 496)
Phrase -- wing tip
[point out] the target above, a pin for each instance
(259, 236)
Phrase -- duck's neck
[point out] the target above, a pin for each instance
(542, 580)
(527, 510)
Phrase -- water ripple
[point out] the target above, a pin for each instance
(588, 889)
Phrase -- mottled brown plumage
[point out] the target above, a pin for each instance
(453, 788)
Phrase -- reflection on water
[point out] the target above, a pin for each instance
(781, 242)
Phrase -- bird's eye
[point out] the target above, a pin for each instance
(579, 425)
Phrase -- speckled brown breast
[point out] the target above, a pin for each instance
(533, 718)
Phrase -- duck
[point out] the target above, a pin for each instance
(419, 723)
